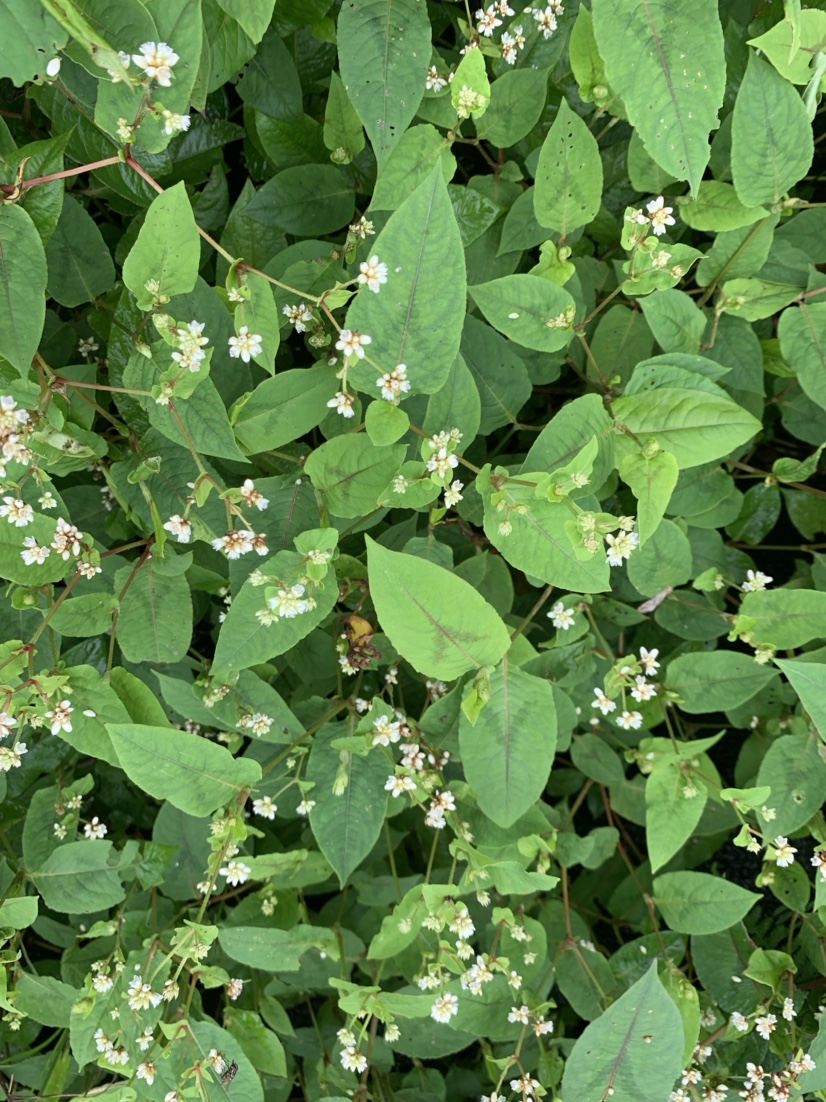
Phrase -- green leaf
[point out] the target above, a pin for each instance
(663, 561)
(652, 481)
(568, 189)
(716, 207)
(254, 16)
(195, 775)
(260, 315)
(500, 378)
(796, 773)
(384, 51)
(695, 427)
(342, 126)
(785, 618)
(18, 912)
(411, 163)
(517, 99)
(771, 136)
(670, 815)
(507, 755)
(155, 618)
(84, 616)
(43, 203)
(716, 681)
(244, 641)
(385, 423)
(77, 878)
(351, 472)
(676, 322)
(80, 266)
(633, 1052)
(271, 950)
(458, 403)
(31, 38)
(308, 199)
(416, 318)
(789, 44)
(263, 1049)
(808, 679)
(666, 59)
(167, 249)
(22, 287)
(802, 333)
(436, 621)
(529, 309)
(270, 82)
(282, 409)
(350, 801)
(44, 999)
(699, 903)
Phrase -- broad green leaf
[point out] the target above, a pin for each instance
(796, 773)
(790, 43)
(22, 287)
(633, 1052)
(260, 315)
(458, 404)
(416, 318)
(283, 408)
(80, 266)
(652, 481)
(44, 999)
(384, 51)
(666, 59)
(759, 514)
(530, 310)
(670, 815)
(351, 472)
(802, 333)
(167, 251)
(676, 322)
(716, 681)
(270, 949)
(195, 775)
(568, 189)
(507, 755)
(350, 801)
(244, 641)
(78, 878)
(785, 618)
(263, 1049)
(568, 431)
(307, 199)
(771, 136)
(155, 617)
(584, 977)
(499, 377)
(18, 912)
(436, 621)
(385, 423)
(31, 38)
(410, 164)
(342, 126)
(12, 565)
(664, 560)
(516, 102)
(270, 82)
(254, 16)
(695, 427)
(699, 903)
(737, 253)
(86, 615)
(43, 203)
(716, 207)
(808, 679)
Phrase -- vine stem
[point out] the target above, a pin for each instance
(24, 185)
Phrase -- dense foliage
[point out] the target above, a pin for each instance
(413, 643)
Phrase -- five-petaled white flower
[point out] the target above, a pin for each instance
(487, 20)
(561, 617)
(453, 493)
(174, 123)
(157, 59)
(518, 1014)
(603, 702)
(352, 343)
(784, 853)
(236, 872)
(34, 552)
(95, 829)
(643, 690)
(629, 721)
(252, 496)
(394, 383)
(648, 660)
(444, 1007)
(342, 404)
(246, 345)
(765, 1025)
(179, 527)
(434, 82)
(16, 511)
(620, 547)
(298, 315)
(660, 215)
(546, 21)
(756, 580)
(141, 995)
(398, 784)
(264, 807)
(60, 717)
(373, 273)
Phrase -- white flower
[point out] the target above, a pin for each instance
(156, 59)
(642, 689)
(60, 717)
(788, 1011)
(765, 1026)
(352, 343)
(739, 1022)
(10, 756)
(603, 702)
(434, 82)
(546, 21)
(297, 315)
(509, 50)
(102, 983)
(462, 924)
(141, 995)
(442, 462)
(95, 829)
(629, 720)
(469, 101)
(342, 404)
(7, 722)
(518, 1014)
(264, 807)
(621, 546)
(819, 861)
(234, 544)
(174, 123)
(444, 1008)
(146, 1070)
(305, 807)
(179, 527)
(289, 602)
(784, 853)
(525, 1085)
(756, 581)
(398, 784)
(394, 383)
(807, 1063)
(16, 511)
(540, 1026)
(66, 540)
(386, 732)
(487, 21)
(504, 7)
(353, 1060)
(246, 345)
(561, 617)
(648, 660)
(453, 494)
(252, 496)
(505, 528)
(234, 989)
(236, 872)
(363, 228)
(47, 501)
(660, 215)
(33, 552)
(768, 813)
(372, 273)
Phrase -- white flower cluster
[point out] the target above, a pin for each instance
(659, 216)
(238, 542)
(626, 678)
(285, 602)
(66, 542)
(10, 756)
(297, 316)
(352, 1059)
(394, 383)
(190, 341)
(157, 60)
(245, 345)
(13, 421)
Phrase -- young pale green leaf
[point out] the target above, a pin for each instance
(416, 317)
(633, 1052)
(167, 252)
(568, 189)
(78, 878)
(652, 481)
(22, 287)
(195, 775)
(350, 801)
(530, 310)
(716, 681)
(507, 755)
(436, 621)
(384, 51)
(716, 207)
(283, 408)
(785, 618)
(385, 423)
(808, 679)
(666, 59)
(670, 815)
(771, 136)
(699, 903)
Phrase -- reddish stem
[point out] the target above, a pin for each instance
(26, 184)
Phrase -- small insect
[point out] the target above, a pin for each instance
(229, 1074)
